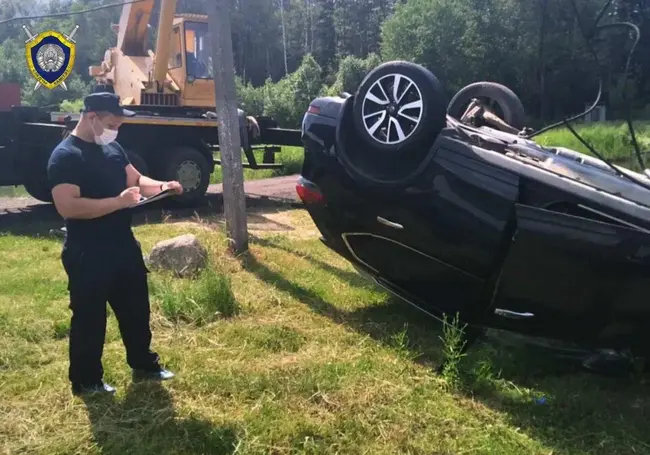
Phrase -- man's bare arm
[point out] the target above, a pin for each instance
(148, 186)
(70, 204)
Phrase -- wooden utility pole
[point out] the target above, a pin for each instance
(234, 198)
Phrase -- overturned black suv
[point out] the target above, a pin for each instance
(455, 209)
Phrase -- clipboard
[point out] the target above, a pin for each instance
(154, 198)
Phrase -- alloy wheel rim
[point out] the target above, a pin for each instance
(392, 109)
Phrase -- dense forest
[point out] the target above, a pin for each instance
(288, 51)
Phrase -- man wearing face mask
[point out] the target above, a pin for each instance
(94, 187)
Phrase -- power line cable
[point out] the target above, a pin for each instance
(588, 36)
(69, 13)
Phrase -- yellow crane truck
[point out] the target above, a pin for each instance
(175, 134)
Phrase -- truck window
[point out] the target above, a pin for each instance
(198, 53)
(175, 51)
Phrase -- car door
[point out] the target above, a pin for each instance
(572, 276)
(439, 240)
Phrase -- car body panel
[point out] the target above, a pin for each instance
(506, 243)
(469, 210)
(571, 272)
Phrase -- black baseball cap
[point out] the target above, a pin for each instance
(106, 102)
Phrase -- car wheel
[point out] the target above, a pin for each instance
(399, 106)
(500, 99)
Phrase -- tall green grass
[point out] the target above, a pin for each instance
(611, 139)
(199, 301)
(290, 157)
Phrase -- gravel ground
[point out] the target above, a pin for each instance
(280, 188)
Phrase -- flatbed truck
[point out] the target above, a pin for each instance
(163, 147)
(174, 135)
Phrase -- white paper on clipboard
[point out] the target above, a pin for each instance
(154, 198)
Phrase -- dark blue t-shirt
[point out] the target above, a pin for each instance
(100, 172)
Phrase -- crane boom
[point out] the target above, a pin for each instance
(176, 73)
(132, 29)
(167, 11)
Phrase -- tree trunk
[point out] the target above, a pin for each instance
(284, 38)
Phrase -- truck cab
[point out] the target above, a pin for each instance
(190, 60)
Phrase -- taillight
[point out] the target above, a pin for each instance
(313, 109)
(309, 192)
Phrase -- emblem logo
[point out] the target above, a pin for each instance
(50, 57)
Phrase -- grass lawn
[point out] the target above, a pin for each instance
(287, 350)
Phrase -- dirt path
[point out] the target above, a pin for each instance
(282, 188)
(18, 214)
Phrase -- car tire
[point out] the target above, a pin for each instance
(190, 168)
(512, 109)
(376, 107)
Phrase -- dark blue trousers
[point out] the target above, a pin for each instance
(97, 274)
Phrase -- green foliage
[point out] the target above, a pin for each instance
(286, 99)
(351, 72)
(503, 41)
(251, 99)
(409, 35)
(284, 57)
(13, 68)
(75, 105)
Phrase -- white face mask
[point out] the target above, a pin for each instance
(106, 137)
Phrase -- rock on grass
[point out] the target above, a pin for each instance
(184, 256)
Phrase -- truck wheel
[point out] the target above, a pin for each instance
(138, 162)
(39, 188)
(190, 168)
(399, 106)
(505, 102)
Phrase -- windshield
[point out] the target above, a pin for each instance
(198, 51)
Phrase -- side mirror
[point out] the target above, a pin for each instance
(190, 78)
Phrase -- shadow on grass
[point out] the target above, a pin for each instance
(145, 422)
(556, 401)
(383, 323)
(352, 277)
(568, 409)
